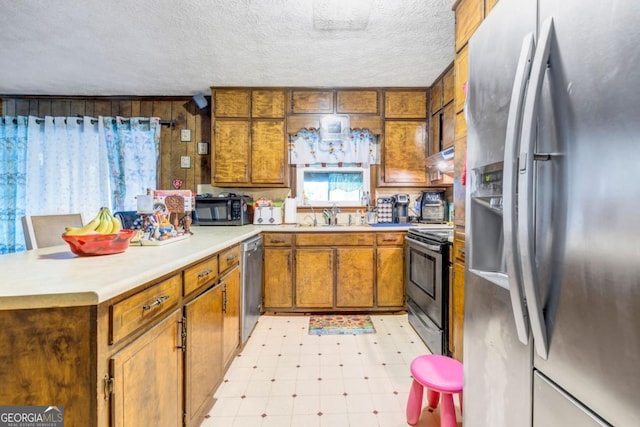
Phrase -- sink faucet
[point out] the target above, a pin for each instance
(350, 220)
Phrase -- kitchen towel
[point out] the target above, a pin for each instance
(290, 211)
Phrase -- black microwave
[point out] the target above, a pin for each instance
(228, 210)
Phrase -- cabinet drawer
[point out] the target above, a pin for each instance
(278, 239)
(335, 239)
(200, 275)
(228, 258)
(142, 308)
(390, 239)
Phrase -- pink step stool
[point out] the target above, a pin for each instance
(439, 375)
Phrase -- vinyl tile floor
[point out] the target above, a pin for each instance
(286, 377)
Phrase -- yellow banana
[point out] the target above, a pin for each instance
(116, 225)
(86, 229)
(105, 222)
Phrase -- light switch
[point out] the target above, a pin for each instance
(185, 135)
(203, 148)
(185, 162)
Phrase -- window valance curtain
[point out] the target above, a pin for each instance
(307, 148)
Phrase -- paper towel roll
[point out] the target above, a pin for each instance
(290, 211)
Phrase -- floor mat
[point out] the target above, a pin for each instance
(340, 324)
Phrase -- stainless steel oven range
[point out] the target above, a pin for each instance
(427, 282)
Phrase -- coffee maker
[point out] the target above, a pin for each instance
(401, 208)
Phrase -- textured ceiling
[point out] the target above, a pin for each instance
(168, 47)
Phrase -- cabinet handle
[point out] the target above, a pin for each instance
(159, 301)
(224, 299)
(231, 258)
(390, 239)
(204, 274)
(289, 262)
(276, 241)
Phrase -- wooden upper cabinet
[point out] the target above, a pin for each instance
(448, 122)
(488, 6)
(469, 15)
(405, 104)
(436, 96)
(405, 152)
(460, 130)
(461, 66)
(267, 152)
(436, 133)
(231, 102)
(357, 102)
(311, 101)
(267, 103)
(448, 86)
(231, 142)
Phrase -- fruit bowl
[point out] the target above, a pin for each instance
(99, 244)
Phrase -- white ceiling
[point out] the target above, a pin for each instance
(169, 47)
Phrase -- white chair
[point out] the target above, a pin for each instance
(42, 231)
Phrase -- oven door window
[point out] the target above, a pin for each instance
(422, 271)
(424, 281)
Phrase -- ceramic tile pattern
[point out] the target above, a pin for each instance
(286, 377)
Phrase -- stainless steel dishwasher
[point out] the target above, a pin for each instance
(252, 255)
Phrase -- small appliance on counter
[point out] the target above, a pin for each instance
(401, 208)
(267, 215)
(228, 210)
(433, 207)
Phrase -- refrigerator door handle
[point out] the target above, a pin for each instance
(509, 188)
(526, 214)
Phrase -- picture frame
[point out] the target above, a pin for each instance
(334, 127)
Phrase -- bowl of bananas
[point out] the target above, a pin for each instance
(103, 235)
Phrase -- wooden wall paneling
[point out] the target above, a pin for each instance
(135, 108)
(162, 109)
(77, 107)
(22, 107)
(33, 107)
(178, 148)
(102, 107)
(202, 171)
(146, 108)
(44, 108)
(60, 107)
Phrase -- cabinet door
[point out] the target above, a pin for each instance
(312, 101)
(448, 122)
(231, 142)
(147, 378)
(231, 314)
(405, 148)
(354, 277)
(267, 103)
(436, 96)
(436, 127)
(405, 104)
(468, 18)
(278, 278)
(203, 357)
(460, 82)
(447, 87)
(314, 278)
(458, 310)
(390, 277)
(268, 152)
(231, 103)
(357, 102)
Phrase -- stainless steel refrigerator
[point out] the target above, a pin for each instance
(552, 294)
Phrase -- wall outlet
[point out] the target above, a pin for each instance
(185, 162)
(203, 148)
(185, 135)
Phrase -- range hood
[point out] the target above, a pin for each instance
(442, 161)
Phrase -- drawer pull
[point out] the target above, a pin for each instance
(231, 258)
(276, 241)
(204, 274)
(159, 301)
(389, 239)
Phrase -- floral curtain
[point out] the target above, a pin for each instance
(133, 150)
(307, 148)
(13, 164)
(72, 164)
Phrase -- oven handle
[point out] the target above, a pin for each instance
(434, 248)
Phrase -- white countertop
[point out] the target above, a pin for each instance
(55, 277)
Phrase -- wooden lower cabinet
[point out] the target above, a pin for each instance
(231, 314)
(390, 276)
(278, 278)
(314, 278)
(203, 356)
(147, 378)
(457, 329)
(354, 277)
